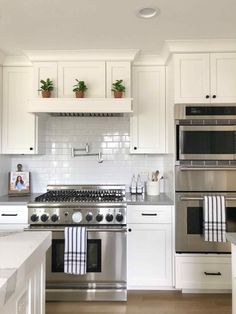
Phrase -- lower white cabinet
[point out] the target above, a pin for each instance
(201, 272)
(149, 247)
(29, 298)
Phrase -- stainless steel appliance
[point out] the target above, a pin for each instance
(205, 165)
(205, 132)
(102, 209)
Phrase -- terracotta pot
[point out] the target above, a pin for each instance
(79, 94)
(46, 93)
(118, 94)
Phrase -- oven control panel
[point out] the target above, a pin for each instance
(112, 215)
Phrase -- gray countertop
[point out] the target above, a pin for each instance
(137, 199)
(231, 236)
(132, 199)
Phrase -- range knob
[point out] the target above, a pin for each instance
(89, 217)
(109, 217)
(77, 217)
(54, 218)
(34, 218)
(44, 217)
(119, 217)
(99, 217)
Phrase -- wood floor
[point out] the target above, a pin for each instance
(143, 302)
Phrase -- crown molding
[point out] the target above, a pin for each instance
(2, 57)
(16, 61)
(147, 59)
(82, 55)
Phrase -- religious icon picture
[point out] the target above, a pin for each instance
(19, 182)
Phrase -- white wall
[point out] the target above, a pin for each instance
(108, 134)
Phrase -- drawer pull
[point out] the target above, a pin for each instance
(150, 214)
(212, 274)
(9, 215)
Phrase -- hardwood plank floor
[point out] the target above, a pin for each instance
(146, 302)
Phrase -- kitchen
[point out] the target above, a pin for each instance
(106, 141)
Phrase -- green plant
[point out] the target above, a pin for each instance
(118, 86)
(46, 85)
(79, 86)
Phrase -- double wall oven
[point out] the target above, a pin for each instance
(102, 210)
(205, 165)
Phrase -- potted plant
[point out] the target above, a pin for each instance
(46, 88)
(118, 88)
(79, 89)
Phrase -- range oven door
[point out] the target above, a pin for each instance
(189, 224)
(206, 142)
(106, 261)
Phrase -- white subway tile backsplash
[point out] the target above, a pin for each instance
(110, 135)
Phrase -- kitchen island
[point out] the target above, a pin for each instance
(232, 238)
(22, 272)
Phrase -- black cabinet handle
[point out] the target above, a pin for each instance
(9, 215)
(135, 148)
(146, 214)
(31, 148)
(214, 96)
(212, 274)
(129, 230)
(207, 96)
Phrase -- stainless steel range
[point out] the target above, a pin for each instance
(102, 209)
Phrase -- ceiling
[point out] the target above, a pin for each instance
(110, 24)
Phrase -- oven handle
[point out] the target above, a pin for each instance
(88, 229)
(207, 168)
(201, 198)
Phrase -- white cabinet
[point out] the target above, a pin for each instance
(92, 73)
(148, 121)
(42, 71)
(205, 78)
(201, 272)
(149, 247)
(118, 71)
(19, 128)
(233, 263)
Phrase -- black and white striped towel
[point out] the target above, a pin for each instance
(214, 218)
(75, 250)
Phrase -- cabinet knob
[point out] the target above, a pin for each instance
(207, 96)
(135, 148)
(214, 96)
(31, 148)
(129, 230)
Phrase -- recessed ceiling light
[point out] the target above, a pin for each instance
(148, 12)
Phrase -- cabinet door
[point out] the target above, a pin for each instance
(42, 71)
(148, 120)
(92, 73)
(223, 77)
(149, 255)
(192, 82)
(118, 71)
(18, 126)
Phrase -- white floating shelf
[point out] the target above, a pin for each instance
(80, 105)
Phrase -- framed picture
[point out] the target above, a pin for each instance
(19, 183)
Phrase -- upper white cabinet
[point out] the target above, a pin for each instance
(118, 71)
(19, 128)
(92, 73)
(42, 71)
(205, 78)
(148, 120)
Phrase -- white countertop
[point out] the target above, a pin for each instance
(19, 253)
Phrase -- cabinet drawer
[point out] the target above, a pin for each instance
(148, 214)
(11, 214)
(203, 272)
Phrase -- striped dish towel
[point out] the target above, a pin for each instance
(214, 218)
(75, 250)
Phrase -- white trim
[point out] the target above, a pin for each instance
(145, 59)
(16, 61)
(2, 57)
(80, 105)
(82, 55)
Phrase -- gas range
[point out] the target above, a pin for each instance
(79, 205)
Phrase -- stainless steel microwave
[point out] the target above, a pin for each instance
(205, 133)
